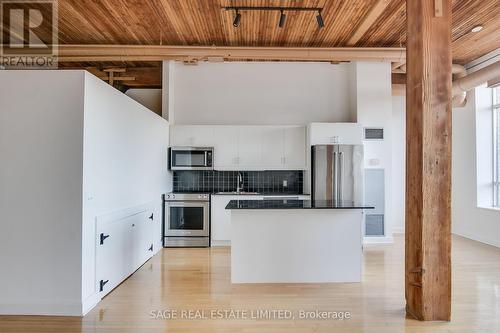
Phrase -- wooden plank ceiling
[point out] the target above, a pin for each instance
(195, 22)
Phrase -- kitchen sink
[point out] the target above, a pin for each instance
(239, 193)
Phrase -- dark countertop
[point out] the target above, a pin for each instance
(294, 204)
(266, 194)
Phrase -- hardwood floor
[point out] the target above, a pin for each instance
(199, 279)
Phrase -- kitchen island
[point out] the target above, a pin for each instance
(295, 241)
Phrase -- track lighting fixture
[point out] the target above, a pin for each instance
(282, 20)
(281, 24)
(237, 19)
(319, 18)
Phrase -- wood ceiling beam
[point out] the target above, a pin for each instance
(428, 154)
(81, 53)
(368, 21)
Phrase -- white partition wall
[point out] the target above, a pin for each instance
(73, 150)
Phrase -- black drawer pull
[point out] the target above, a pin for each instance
(152, 217)
(102, 283)
(102, 238)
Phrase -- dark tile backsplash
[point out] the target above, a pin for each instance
(226, 181)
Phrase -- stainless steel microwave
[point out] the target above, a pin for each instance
(191, 158)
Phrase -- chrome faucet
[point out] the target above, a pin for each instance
(239, 186)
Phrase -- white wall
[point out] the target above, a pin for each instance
(41, 144)
(471, 169)
(125, 165)
(71, 148)
(150, 98)
(481, 224)
(258, 93)
(398, 162)
(374, 109)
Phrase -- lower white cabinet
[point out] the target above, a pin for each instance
(123, 243)
(220, 217)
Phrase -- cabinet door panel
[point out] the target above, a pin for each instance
(249, 147)
(226, 147)
(272, 147)
(192, 135)
(295, 147)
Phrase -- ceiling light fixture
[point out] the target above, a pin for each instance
(282, 20)
(237, 19)
(477, 28)
(319, 18)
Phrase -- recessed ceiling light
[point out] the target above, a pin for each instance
(477, 28)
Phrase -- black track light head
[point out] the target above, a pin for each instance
(237, 19)
(282, 20)
(319, 18)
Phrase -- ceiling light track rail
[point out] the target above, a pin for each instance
(296, 9)
(282, 10)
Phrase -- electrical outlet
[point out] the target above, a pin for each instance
(285, 183)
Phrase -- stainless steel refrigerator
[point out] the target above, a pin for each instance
(337, 173)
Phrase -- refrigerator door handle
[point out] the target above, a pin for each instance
(335, 177)
(340, 194)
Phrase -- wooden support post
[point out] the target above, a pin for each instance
(428, 167)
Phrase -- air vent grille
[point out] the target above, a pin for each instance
(374, 225)
(374, 134)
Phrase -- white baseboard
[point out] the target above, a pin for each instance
(477, 239)
(378, 240)
(216, 243)
(398, 230)
(90, 303)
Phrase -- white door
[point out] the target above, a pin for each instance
(295, 148)
(272, 147)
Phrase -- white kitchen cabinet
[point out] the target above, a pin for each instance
(335, 133)
(294, 148)
(192, 135)
(220, 217)
(247, 147)
(272, 146)
(225, 148)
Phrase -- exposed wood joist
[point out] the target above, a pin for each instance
(79, 53)
(367, 22)
(428, 166)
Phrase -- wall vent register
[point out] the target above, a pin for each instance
(374, 134)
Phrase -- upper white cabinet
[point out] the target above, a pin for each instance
(247, 147)
(335, 133)
(294, 147)
(225, 147)
(272, 147)
(192, 135)
(250, 147)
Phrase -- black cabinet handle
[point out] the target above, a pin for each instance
(102, 238)
(152, 217)
(151, 248)
(102, 283)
